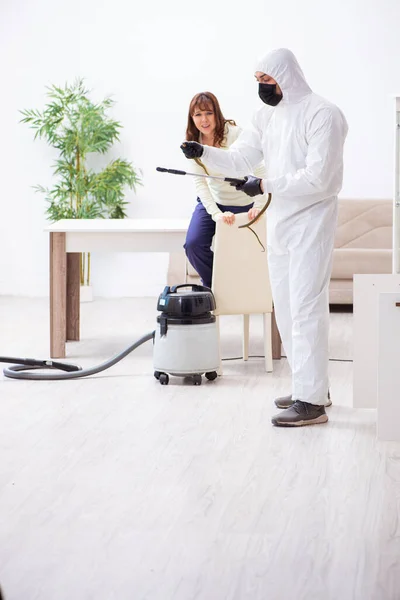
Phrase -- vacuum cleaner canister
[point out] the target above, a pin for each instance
(186, 340)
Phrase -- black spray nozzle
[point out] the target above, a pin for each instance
(173, 171)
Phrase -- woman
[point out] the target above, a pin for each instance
(217, 200)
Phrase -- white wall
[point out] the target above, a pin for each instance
(153, 57)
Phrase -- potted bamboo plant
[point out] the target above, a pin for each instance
(79, 129)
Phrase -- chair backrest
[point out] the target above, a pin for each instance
(240, 272)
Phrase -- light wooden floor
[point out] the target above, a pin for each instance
(118, 488)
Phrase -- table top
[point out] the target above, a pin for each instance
(166, 225)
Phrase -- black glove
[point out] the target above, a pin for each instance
(192, 149)
(251, 186)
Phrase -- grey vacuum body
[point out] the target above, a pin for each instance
(186, 337)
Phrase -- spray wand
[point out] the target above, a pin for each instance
(176, 172)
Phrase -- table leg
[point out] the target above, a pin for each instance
(276, 339)
(58, 295)
(73, 296)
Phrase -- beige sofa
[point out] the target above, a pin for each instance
(363, 245)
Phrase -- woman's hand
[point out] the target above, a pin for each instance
(228, 218)
(253, 212)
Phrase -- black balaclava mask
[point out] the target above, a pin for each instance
(268, 93)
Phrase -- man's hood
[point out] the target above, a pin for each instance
(282, 65)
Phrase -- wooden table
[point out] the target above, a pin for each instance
(70, 237)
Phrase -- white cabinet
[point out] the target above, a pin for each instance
(388, 381)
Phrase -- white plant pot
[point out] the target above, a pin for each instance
(86, 293)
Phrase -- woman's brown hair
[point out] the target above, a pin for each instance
(206, 101)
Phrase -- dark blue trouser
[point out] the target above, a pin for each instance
(199, 238)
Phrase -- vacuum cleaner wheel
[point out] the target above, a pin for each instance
(197, 379)
(212, 375)
(163, 378)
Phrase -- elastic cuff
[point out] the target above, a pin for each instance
(267, 185)
(205, 153)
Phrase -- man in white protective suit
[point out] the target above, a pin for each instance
(300, 137)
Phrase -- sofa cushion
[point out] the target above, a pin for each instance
(347, 261)
(364, 224)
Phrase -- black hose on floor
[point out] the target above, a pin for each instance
(22, 366)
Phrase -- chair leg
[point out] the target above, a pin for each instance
(267, 317)
(246, 331)
(186, 270)
(219, 370)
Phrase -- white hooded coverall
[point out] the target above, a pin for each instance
(301, 142)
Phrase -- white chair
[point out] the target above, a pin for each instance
(241, 280)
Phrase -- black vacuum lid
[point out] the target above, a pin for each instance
(190, 300)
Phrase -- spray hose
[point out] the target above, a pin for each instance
(250, 223)
(22, 366)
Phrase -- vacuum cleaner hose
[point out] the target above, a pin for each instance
(26, 365)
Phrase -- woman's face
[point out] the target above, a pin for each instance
(204, 120)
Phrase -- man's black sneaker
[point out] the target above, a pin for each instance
(299, 414)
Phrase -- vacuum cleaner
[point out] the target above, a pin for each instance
(186, 338)
(185, 342)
